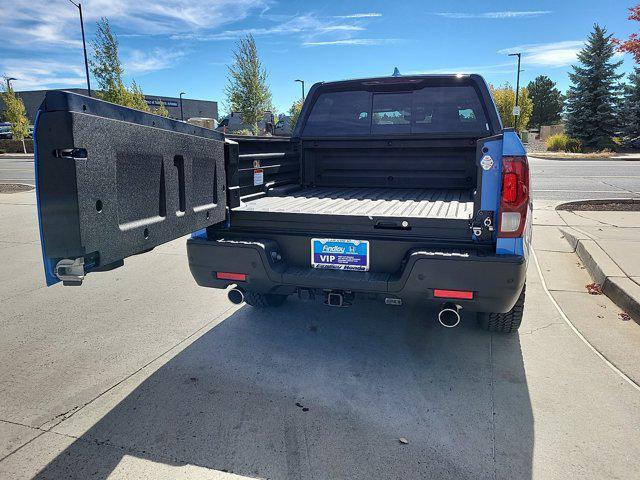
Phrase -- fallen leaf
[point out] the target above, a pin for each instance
(403, 440)
(624, 316)
(594, 288)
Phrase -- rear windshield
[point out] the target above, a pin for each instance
(454, 109)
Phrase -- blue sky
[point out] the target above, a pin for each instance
(170, 46)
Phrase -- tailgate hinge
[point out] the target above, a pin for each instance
(482, 225)
(71, 272)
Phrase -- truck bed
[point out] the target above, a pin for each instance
(368, 202)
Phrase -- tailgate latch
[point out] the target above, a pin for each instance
(71, 272)
(482, 225)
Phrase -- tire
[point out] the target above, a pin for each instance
(504, 322)
(263, 300)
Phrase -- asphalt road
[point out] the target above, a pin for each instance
(574, 180)
(16, 169)
(551, 179)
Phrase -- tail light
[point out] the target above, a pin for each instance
(514, 200)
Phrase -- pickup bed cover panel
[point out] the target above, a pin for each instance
(375, 202)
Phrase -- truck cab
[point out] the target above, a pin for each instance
(391, 189)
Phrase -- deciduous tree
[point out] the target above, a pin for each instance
(161, 110)
(247, 90)
(108, 71)
(294, 113)
(632, 44)
(505, 98)
(594, 93)
(15, 114)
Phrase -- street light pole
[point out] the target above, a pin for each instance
(84, 45)
(181, 114)
(9, 82)
(302, 82)
(519, 55)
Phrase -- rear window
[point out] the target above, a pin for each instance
(453, 109)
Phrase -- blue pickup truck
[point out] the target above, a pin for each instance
(391, 189)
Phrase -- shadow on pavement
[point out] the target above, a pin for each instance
(305, 391)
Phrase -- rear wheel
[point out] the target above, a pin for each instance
(263, 300)
(504, 322)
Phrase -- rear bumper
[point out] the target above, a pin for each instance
(496, 280)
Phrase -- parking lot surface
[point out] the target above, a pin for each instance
(141, 374)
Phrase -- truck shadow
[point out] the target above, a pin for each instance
(300, 392)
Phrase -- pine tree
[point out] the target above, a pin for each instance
(247, 89)
(107, 70)
(630, 111)
(547, 102)
(594, 93)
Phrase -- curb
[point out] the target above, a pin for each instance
(623, 291)
(577, 159)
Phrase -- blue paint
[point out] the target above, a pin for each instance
(492, 178)
(512, 144)
(202, 233)
(49, 263)
(510, 246)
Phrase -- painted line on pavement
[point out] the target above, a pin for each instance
(575, 330)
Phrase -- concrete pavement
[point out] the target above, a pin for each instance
(608, 243)
(139, 373)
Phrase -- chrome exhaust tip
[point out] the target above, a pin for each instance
(236, 296)
(449, 315)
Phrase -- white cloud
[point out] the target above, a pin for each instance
(311, 27)
(353, 41)
(41, 74)
(139, 62)
(49, 24)
(557, 54)
(495, 15)
(361, 15)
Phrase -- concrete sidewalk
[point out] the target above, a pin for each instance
(608, 243)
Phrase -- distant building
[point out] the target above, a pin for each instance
(191, 108)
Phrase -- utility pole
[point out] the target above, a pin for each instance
(516, 109)
(181, 114)
(302, 82)
(84, 46)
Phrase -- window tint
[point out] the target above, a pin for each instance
(340, 113)
(450, 109)
(391, 113)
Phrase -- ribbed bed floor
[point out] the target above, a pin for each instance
(378, 202)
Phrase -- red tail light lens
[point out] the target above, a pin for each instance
(509, 187)
(515, 196)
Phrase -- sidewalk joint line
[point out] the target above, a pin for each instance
(575, 330)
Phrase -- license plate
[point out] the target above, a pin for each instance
(340, 254)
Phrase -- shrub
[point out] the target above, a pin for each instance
(561, 142)
(2, 150)
(573, 145)
(557, 142)
(243, 131)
